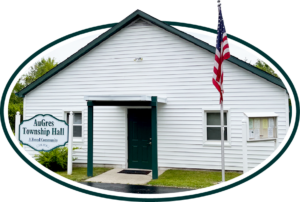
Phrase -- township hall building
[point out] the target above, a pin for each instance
(142, 97)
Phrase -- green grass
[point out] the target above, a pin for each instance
(170, 178)
(80, 174)
(191, 179)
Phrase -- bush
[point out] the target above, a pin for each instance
(55, 160)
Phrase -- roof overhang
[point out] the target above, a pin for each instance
(260, 114)
(123, 100)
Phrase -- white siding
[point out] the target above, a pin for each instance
(171, 67)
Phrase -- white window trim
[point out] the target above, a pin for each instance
(76, 110)
(216, 143)
(260, 115)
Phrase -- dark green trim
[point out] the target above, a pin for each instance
(90, 140)
(121, 103)
(139, 135)
(164, 25)
(232, 59)
(291, 107)
(257, 71)
(154, 101)
(290, 113)
(154, 137)
(64, 144)
(90, 103)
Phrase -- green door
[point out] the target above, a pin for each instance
(139, 138)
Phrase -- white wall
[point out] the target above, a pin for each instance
(171, 67)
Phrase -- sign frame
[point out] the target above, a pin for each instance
(42, 150)
(249, 115)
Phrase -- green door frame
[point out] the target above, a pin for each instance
(290, 113)
(139, 141)
(154, 137)
(152, 103)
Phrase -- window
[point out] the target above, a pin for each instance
(213, 126)
(77, 124)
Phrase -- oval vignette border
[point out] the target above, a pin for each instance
(296, 107)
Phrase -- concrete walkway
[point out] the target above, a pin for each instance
(112, 176)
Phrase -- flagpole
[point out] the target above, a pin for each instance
(222, 143)
(222, 130)
(218, 6)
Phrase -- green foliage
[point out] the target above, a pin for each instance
(55, 160)
(38, 69)
(191, 179)
(16, 103)
(265, 67)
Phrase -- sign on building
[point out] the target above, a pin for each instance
(43, 132)
(261, 126)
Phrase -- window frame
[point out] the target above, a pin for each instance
(261, 115)
(65, 112)
(216, 143)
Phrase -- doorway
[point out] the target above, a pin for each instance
(139, 139)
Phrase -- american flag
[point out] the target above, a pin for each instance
(222, 53)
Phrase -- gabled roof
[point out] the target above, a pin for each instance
(135, 15)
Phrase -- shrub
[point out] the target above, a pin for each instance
(55, 160)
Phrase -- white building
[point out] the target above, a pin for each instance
(121, 73)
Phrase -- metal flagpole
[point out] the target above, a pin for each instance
(218, 6)
(222, 132)
(222, 143)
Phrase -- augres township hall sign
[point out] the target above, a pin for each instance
(43, 132)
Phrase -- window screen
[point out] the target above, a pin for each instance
(77, 124)
(213, 126)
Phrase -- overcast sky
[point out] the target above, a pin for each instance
(64, 50)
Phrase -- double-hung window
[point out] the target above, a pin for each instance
(212, 128)
(77, 124)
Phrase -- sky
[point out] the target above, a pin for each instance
(66, 49)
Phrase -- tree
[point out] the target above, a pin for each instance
(36, 71)
(290, 103)
(15, 104)
(39, 69)
(265, 67)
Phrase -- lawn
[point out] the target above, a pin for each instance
(80, 173)
(191, 179)
(170, 178)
